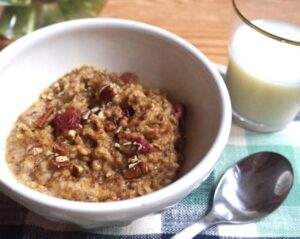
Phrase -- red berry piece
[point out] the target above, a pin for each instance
(140, 145)
(144, 146)
(69, 119)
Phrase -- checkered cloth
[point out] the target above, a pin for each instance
(17, 222)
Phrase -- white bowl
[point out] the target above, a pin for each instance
(161, 59)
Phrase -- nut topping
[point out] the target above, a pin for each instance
(77, 171)
(59, 149)
(106, 94)
(86, 115)
(45, 117)
(136, 171)
(71, 135)
(60, 161)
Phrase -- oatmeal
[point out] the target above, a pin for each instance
(97, 136)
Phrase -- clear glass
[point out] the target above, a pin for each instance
(263, 74)
(19, 17)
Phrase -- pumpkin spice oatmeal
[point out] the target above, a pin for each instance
(97, 136)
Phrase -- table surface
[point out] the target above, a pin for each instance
(204, 23)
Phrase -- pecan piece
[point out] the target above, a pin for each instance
(59, 149)
(77, 171)
(71, 135)
(136, 172)
(106, 93)
(60, 162)
(45, 117)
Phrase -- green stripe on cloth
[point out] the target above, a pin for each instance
(283, 222)
(201, 195)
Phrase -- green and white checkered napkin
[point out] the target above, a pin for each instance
(17, 222)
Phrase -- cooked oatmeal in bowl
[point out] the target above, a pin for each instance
(162, 60)
(97, 136)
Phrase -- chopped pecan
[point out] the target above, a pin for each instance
(71, 135)
(59, 149)
(136, 172)
(86, 115)
(60, 162)
(77, 170)
(45, 117)
(106, 93)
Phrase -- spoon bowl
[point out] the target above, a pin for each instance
(249, 191)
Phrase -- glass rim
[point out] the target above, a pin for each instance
(260, 30)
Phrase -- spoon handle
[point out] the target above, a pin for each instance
(194, 229)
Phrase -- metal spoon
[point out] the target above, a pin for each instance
(250, 190)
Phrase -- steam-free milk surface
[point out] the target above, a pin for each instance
(263, 76)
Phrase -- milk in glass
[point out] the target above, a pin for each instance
(263, 76)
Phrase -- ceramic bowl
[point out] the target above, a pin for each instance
(161, 59)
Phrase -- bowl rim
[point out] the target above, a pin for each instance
(169, 194)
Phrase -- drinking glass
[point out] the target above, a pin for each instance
(263, 74)
(19, 17)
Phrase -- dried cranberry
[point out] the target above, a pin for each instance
(69, 119)
(128, 78)
(106, 94)
(145, 146)
(140, 145)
